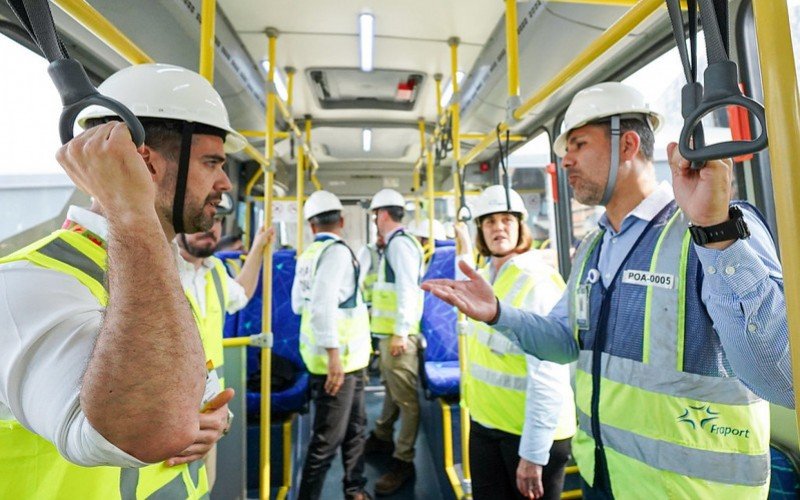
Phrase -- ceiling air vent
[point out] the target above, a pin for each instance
(351, 88)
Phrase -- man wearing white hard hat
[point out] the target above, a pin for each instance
(396, 312)
(103, 364)
(213, 293)
(335, 346)
(674, 310)
(422, 230)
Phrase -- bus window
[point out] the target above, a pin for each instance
(529, 177)
(33, 187)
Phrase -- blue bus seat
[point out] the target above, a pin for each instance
(440, 373)
(785, 473)
(286, 334)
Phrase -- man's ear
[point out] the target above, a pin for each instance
(341, 222)
(630, 142)
(151, 156)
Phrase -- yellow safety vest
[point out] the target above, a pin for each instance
(352, 318)
(212, 322)
(666, 431)
(497, 374)
(30, 466)
(371, 274)
(384, 294)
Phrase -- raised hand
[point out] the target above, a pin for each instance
(474, 296)
(104, 162)
(702, 194)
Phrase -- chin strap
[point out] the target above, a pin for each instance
(182, 178)
(613, 169)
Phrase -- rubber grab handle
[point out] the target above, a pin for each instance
(77, 93)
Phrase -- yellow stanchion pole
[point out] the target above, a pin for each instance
(208, 17)
(437, 78)
(512, 53)
(431, 200)
(266, 311)
(455, 113)
(782, 106)
(300, 174)
(290, 72)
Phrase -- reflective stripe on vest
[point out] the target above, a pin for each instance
(352, 318)
(497, 377)
(371, 275)
(212, 321)
(665, 430)
(30, 466)
(384, 294)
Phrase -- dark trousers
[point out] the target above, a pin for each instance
(339, 420)
(493, 460)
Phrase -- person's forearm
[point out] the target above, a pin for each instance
(545, 337)
(145, 377)
(248, 278)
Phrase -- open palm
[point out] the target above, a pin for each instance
(474, 297)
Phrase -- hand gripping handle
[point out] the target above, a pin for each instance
(721, 90)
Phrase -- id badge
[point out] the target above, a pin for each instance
(582, 306)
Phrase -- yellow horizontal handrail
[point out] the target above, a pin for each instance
(102, 28)
(236, 342)
(474, 136)
(616, 32)
(260, 134)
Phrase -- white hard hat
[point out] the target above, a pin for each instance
(168, 92)
(423, 229)
(320, 202)
(387, 198)
(493, 200)
(602, 101)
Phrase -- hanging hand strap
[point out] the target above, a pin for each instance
(721, 84)
(504, 164)
(68, 75)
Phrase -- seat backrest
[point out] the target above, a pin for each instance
(785, 473)
(438, 323)
(285, 324)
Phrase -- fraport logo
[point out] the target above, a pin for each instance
(703, 417)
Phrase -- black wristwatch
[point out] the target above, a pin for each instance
(733, 229)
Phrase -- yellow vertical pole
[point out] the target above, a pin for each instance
(455, 113)
(208, 16)
(782, 105)
(431, 204)
(266, 311)
(512, 51)
(290, 72)
(437, 78)
(301, 181)
(416, 180)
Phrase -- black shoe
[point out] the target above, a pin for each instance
(398, 474)
(377, 446)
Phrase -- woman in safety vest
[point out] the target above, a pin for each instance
(521, 409)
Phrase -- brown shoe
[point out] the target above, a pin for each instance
(398, 474)
(376, 446)
(360, 495)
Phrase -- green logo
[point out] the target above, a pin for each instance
(695, 416)
(698, 414)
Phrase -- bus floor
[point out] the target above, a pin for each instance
(423, 485)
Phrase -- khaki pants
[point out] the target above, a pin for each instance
(400, 376)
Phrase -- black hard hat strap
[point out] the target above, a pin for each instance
(182, 177)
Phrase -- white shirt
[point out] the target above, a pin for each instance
(193, 281)
(48, 325)
(334, 283)
(405, 259)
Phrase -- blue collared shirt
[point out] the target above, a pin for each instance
(742, 291)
